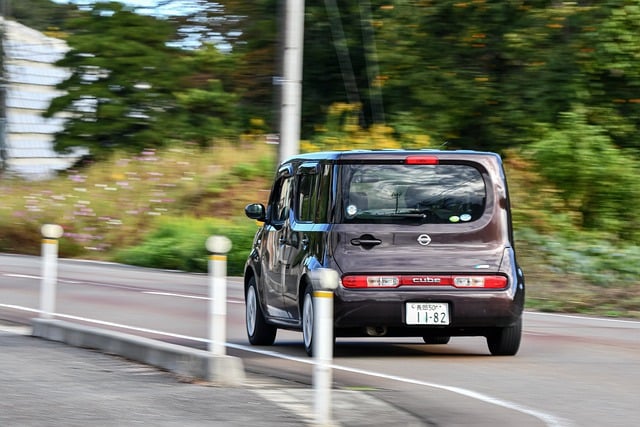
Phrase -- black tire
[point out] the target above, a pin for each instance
(259, 331)
(308, 319)
(436, 340)
(505, 341)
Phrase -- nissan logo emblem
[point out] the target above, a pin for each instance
(424, 239)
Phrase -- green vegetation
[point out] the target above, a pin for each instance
(129, 90)
(177, 243)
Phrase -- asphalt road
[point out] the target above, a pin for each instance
(570, 370)
(45, 383)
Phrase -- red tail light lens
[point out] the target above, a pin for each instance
(459, 282)
(421, 160)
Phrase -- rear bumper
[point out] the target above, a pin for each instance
(471, 312)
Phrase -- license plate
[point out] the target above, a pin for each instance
(427, 313)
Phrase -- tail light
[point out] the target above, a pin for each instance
(455, 281)
(421, 160)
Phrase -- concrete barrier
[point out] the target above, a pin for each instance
(183, 361)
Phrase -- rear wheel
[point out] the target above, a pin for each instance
(505, 341)
(436, 340)
(259, 331)
(308, 319)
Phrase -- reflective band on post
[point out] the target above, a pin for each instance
(323, 294)
(216, 257)
(49, 241)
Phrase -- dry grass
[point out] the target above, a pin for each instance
(111, 205)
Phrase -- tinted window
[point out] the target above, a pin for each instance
(324, 194)
(383, 193)
(306, 200)
(281, 201)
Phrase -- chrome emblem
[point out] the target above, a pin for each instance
(424, 239)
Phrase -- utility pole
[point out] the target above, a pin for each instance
(290, 110)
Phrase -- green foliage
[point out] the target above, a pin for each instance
(179, 244)
(592, 257)
(256, 46)
(609, 61)
(42, 15)
(121, 81)
(129, 90)
(594, 177)
(342, 131)
(245, 171)
(204, 113)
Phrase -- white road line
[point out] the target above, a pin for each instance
(574, 316)
(105, 323)
(548, 419)
(21, 276)
(170, 294)
(18, 307)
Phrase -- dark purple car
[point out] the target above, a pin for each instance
(422, 242)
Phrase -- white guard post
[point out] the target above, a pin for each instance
(50, 235)
(324, 281)
(219, 246)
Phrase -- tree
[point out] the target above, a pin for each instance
(42, 15)
(482, 74)
(609, 60)
(454, 68)
(122, 81)
(596, 179)
(208, 104)
(257, 50)
(335, 57)
(129, 90)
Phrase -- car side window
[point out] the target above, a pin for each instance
(281, 201)
(306, 200)
(323, 195)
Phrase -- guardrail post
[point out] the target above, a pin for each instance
(324, 281)
(50, 235)
(219, 246)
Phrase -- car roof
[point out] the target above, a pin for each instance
(395, 154)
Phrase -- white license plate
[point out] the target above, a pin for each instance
(427, 313)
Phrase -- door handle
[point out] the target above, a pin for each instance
(365, 242)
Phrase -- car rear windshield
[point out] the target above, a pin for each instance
(426, 194)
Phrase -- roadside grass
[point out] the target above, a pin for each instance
(156, 209)
(117, 204)
(178, 243)
(568, 270)
(564, 277)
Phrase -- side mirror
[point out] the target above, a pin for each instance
(255, 211)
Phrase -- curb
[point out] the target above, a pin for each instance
(183, 361)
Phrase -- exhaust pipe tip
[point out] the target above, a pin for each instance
(376, 331)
